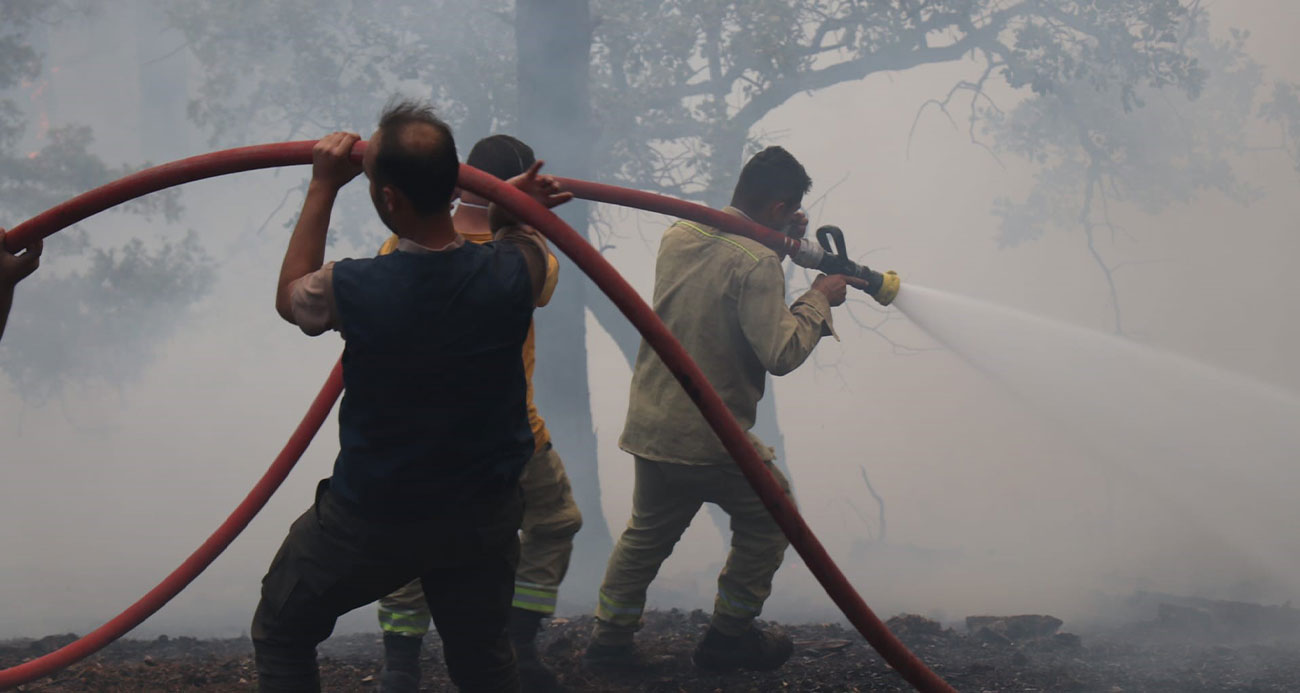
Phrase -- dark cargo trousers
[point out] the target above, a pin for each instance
(666, 496)
(551, 519)
(335, 560)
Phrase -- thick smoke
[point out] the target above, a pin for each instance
(996, 497)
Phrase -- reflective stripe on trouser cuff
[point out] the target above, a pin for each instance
(415, 624)
(531, 596)
(618, 613)
(731, 606)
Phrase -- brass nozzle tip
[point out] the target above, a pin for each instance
(888, 290)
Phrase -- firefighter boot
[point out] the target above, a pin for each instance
(621, 657)
(754, 649)
(401, 672)
(534, 676)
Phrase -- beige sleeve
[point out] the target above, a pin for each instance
(311, 301)
(782, 337)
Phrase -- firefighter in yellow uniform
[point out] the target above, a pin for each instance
(551, 517)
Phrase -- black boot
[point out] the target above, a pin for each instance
(755, 649)
(401, 672)
(623, 658)
(534, 676)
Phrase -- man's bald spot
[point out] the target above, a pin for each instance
(417, 138)
(415, 154)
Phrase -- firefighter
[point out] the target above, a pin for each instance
(433, 428)
(723, 297)
(551, 517)
(13, 269)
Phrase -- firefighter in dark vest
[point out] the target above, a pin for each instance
(551, 517)
(433, 428)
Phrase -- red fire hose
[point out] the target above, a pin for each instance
(198, 561)
(586, 258)
(662, 204)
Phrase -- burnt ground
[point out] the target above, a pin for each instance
(1187, 648)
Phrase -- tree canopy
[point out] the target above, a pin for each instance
(93, 312)
(679, 87)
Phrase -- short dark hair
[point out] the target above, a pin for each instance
(424, 170)
(501, 155)
(772, 175)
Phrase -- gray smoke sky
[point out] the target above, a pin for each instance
(989, 506)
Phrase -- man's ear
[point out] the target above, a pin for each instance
(390, 198)
(773, 211)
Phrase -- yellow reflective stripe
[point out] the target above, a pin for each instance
(403, 629)
(716, 237)
(536, 586)
(736, 606)
(626, 620)
(403, 624)
(404, 616)
(541, 608)
(533, 597)
(604, 599)
(617, 613)
(530, 596)
(542, 593)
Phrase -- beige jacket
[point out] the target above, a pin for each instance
(723, 297)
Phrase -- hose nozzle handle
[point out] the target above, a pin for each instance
(827, 234)
(833, 258)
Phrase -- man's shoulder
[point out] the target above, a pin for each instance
(361, 264)
(401, 261)
(710, 239)
(354, 263)
(477, 237)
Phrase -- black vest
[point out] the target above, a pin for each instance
(434, 408)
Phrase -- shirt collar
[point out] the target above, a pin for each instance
(737, 212)
(409, 246)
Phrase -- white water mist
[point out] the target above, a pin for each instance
(1213, 456)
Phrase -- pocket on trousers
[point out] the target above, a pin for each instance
(306, 564)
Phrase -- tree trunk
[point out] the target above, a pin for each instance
(553, 40)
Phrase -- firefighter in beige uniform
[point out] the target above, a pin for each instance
(723, 297)
(551, 517)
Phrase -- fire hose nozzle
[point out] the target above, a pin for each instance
(830, 256)
(888, 291)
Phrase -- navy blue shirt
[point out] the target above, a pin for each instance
(435, 401)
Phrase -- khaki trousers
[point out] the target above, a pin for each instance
(551, 519)
(667, 496)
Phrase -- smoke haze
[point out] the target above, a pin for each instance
(1005, 489)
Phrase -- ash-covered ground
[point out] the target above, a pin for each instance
(1191, 645)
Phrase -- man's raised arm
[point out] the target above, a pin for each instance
(507, 229)
(331, 169)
